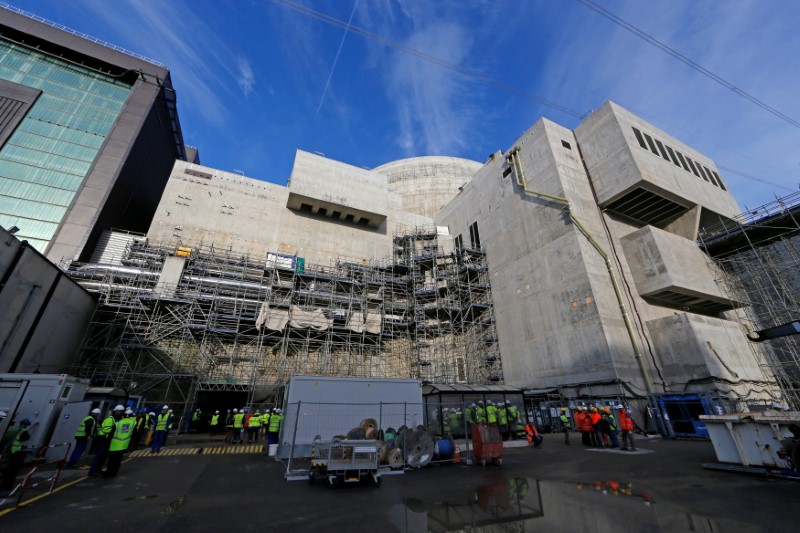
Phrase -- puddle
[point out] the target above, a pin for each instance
(526, 504)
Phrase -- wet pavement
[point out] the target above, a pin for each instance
(555, 488)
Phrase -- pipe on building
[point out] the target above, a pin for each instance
(513, 159)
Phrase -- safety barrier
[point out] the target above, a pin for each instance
(38, 462)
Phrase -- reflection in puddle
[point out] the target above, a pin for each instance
(524, 504)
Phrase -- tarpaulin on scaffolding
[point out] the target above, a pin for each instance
(272, 318)
(358, 323)
(313, 319)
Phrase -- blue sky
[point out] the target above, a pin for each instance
(255, 80)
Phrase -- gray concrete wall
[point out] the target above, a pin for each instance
(44, 313)
(251, 216)
(662, 261)
(618, 164)
(695, 347)
(556, 323)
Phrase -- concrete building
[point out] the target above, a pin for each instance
(562, 213)
(594, 284)
(88, 135)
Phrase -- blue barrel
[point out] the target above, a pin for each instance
(445, 447)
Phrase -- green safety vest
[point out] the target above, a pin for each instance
(275, 422)
(502, 415)
(122, 435)
(16, 444)
(491, 414)
(513, 414)
(612, 422)
(565, 421)
(480, 415)
(453, 420)
(255, 421)
(238, 420)
(470, 416)
(214, 420)
(82, 427)
(265, 419)
(107, 427)
(162, 421)
(195, 416)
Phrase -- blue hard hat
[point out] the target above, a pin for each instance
(143, 410)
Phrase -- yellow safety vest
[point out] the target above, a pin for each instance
(214, 420)
(162, 421)
(122, 435)
(255, 421)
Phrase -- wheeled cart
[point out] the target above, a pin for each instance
(488, 444)
(346, 461)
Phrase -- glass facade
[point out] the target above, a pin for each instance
(47, 158)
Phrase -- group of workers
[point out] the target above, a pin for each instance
(505, 416)
(599, 427)
(252, 424)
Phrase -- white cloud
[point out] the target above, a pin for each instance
(246, 79)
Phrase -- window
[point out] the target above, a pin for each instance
(651, 144)
(702, 173)
(661, 149)
(363, 221)
(349, 218)
(711, 176)
(694, 168)
(337, 215)
(305, 207)
(639, 138)
(474, 238)
(322, 211)
(506, 172)
(566, 145)
(672, 156)
(459, 242)
(719, 180)
(683, 161)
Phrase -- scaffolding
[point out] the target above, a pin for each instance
(758, 260)
(236, 323)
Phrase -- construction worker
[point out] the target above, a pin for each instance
(597, 430)
(120, 440)
(626, 427)
(480, 413)
(238, 426)
(566, 424)
(13, 455)
(229, 425)
(469, 414)
(533, 435)
(265, 423)
(197, 418)
(254, 428)
(150, 428)
(455, 422)
(138, 429)
(163, 423)
(514, 419)
(85, 432)
(445, 422)
(103, 440)
(611, 423)
(583, 423)
(213, 424)
(491, 413)
(275, 420)
(502, 420)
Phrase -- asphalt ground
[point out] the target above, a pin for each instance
(554, 488)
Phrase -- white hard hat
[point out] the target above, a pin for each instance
(508, 402)
(216, 412)
(165, 407)
(235, 410)
(3, 414)
(95, 411)
(170, 410)
(128, 411)
(152, 414)
(119, 408)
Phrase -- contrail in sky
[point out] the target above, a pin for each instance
(336, 59)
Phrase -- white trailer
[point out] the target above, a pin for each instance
(769, 440)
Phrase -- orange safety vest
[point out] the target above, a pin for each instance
(584, 422)
(625, 421)
(594, 418)
(530, 429)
